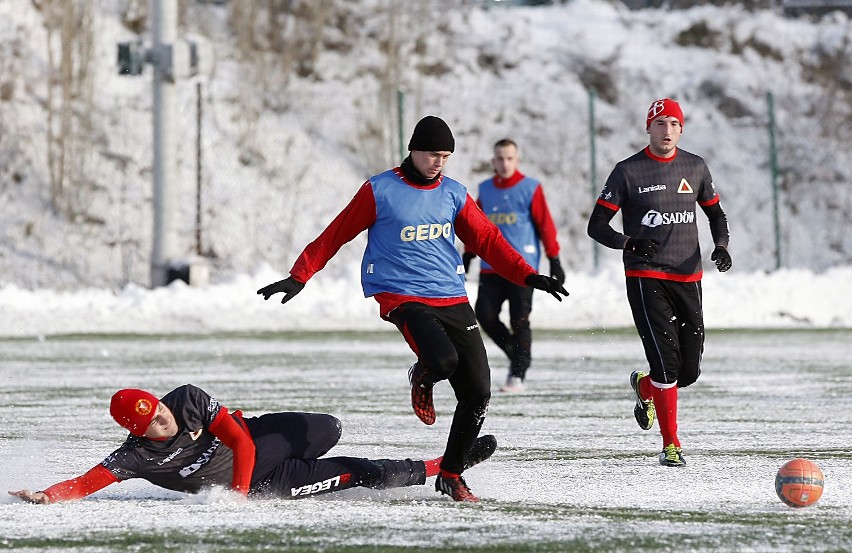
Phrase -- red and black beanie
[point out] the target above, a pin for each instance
(664, 108)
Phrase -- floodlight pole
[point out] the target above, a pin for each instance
(164, 35)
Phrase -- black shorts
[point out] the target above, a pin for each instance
(670, 321)
(447, 342)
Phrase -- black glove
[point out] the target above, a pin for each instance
(645, 248)
(556, 270)
(546, 283)
(289, 286)
(467, 257)
(722, 258)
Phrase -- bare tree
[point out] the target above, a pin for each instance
(70, 40)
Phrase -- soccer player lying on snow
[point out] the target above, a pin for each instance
(188, 442)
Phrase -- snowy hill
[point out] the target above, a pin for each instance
(287, 139)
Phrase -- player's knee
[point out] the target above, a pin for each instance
(442, 367)
(478, 397)
(520, 324)
(332, 429)
(686, 379)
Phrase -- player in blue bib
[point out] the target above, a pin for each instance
(516, 204)
(413, 214)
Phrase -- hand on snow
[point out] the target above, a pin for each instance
(32, 497)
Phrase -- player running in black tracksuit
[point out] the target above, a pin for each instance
(187, 442)
(516, 204)
(657, 189)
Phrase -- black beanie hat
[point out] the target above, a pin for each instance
(431, 134)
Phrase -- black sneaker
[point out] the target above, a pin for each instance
(421, 394)
(644, 410)
(482, 449)
(455, 487)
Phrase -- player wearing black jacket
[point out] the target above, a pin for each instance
(187, 441)
(657, 189)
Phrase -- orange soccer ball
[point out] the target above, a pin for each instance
(799, 483)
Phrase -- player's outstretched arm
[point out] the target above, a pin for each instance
(97, 478)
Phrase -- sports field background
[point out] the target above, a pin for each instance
(572, 472)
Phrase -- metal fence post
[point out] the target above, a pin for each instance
(773, 166)
(400, 109)
(593, 169)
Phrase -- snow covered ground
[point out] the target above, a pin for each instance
(572, 472)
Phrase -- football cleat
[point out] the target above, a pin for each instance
(421, 394)
(483, 448)
(671, 456)
(455, 487)
(643, 411)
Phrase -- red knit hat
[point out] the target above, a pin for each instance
(663, 108)
(133, 409)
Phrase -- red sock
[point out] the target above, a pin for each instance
(645, 388)
(448, 474)
(665, 403)
(433, 466)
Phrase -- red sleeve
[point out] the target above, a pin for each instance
(466, 247)
(236, 436)
(349, 223)
(97, 478)
(544, 223)
(485, 240)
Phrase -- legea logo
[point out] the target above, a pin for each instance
(426, 232)
(325, 485)
(655, 218)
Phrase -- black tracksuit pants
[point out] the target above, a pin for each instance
(287, 447)
(449, 346)
(670, 321)
(516, 342)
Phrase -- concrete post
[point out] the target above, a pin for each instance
(164, 35)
